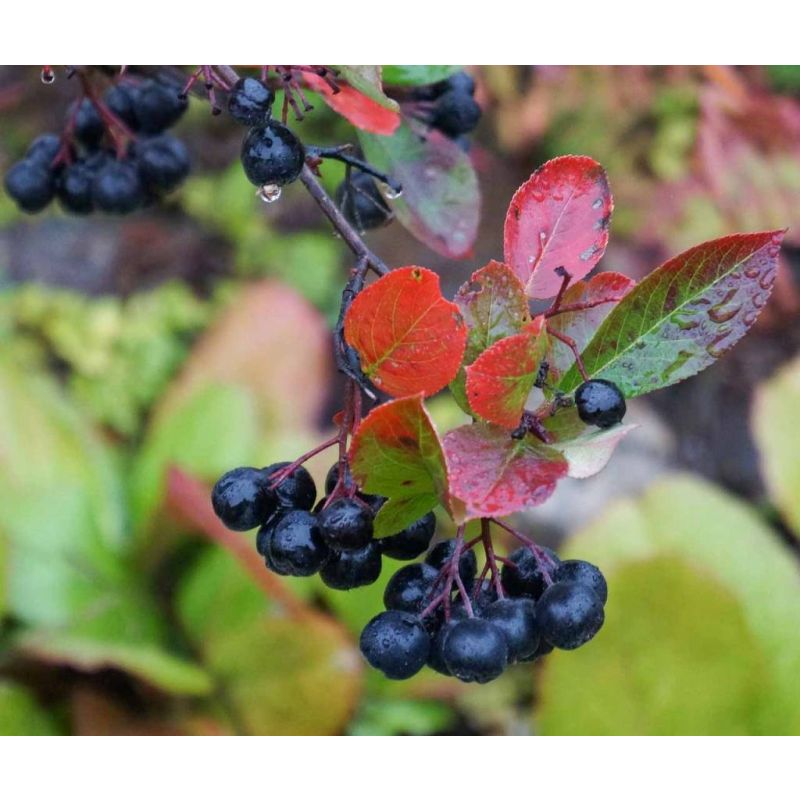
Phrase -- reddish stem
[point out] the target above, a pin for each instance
(570, 342)
(584, 306)
(542, 559)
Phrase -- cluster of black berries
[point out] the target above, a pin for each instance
(83, 168)
(449, 106)
(600, 402)
(334, 539)
(272, 155)
(547, 603)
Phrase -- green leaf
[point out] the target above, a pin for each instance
(417, 74)
(367, 79)
(21, 715)
(279, 674)
(399, 512)
(440, 204)
(683, 316)
(774, 422)
(700, 634)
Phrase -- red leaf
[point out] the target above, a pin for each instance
(558, 218)
(501, 378)
(495, 475)
(580, 325)
(356, 107)
(409, 338)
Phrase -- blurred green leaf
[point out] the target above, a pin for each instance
(416, 74)
(21, 715)
(774, 422)
(402, 717)
(279, 675)
(700, 634)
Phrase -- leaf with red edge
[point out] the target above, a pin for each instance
(494, 306)
(495, 475)
(501, 378)
(367, 79)
(684, 315)
(581, 324)
(396, 452)
(440, 204)
(558, 218)
(408, 337)
(362, 111)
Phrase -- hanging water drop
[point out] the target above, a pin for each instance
(269, 192)
(47, 75)
(393, 192)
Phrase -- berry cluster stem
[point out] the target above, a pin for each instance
(544, 561)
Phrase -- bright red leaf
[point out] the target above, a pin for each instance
(558, 218)
(495, 475)
(501, 378)
(409, 338)
(357, 108)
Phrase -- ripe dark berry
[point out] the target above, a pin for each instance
(75, 188)
(600, 403)
(516, 618)
(362, 203)
(121, 100)
(436, 655)
(89, 128)
(461, 82)
(412, 541)
(264, 539)
(395, 643)
(242, 498)
(250, 101)
(351, 568)
(30, 184)
(475, 650)
(332, 478)
(487, 594)
(443, 553)
(297, 490)
(272, 155)
(569, 614)
(455, 113)
(346, 524)
(43, 149)
(163, 162)
(117, 188)
(158, 106)
(585, 573)
(544, 648)
(410, 588)
(296, 544)
(527, 577)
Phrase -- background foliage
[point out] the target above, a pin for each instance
(196, 336)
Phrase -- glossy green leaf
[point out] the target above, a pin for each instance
(21, 714)
(416, 74)
(700, 634)
(440, 204)
(684, 315)
(774, 422)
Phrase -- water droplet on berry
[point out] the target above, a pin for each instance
(48, 76)
(393, 193)
(269, 192)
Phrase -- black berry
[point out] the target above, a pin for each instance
(43, 149)
(412, 541)
(332, 478)
(362, 203)
(163, 162)
(272, 155)
(157, 106)
(89, 128)
(461, 82)
(487, 594)
(410, 588)
(585, 573)
(443, 553)
(250, 101)
(346, 524)
(121, 100)
(264, 539)
(516, 618)
(117, 188)
(475, 650)
(30, 184)
(569, 614)
(351, 568)
(396, 643)
(600, 403)
(296, 490)
(296, 544)
(242, 498)
(528, 577)
(75, 188)
(455, 113)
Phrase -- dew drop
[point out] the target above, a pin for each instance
(767, 280)
(269, 192)
(722, 313)
(750, 317)
(687, 323)
(598, 203)
(752, 272)
(392, 192)
(48, 76)
(759, 300)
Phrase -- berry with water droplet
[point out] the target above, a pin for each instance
(475, 650)
(348, 569)
(242, 498)
(346, 524)
(396, 643)
(569, 614)
(31, 185)
(410, 588)
(296, 545)
(250, 101)
(600, 402)
(362, 203)
(527, 575)
(412, 541)
(585, 573)
(296, 490)
(272, 155)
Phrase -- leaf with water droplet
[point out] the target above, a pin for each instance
(440, 205)
(558, 219)
(683, 316)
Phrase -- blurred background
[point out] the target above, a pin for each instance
(196, 334)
